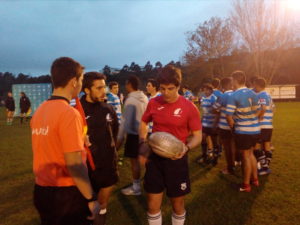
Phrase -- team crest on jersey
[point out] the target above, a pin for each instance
(183, 186)
(177, 112)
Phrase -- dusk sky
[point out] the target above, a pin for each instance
(98, 33)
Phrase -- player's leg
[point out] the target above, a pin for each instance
(179, 213)
(229, 155)
(103, 197)
(203, 156)
(131, 149)
(154, 201)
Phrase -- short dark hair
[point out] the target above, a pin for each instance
(185, 86)
(63, 70)
(253, 79)
(153, 82)
(208, 86)
(260, 82)
(90, 77)
(215, 82)
(226, 81)
(134, 81)
(239, 76)
(112, 83)
(170, 75)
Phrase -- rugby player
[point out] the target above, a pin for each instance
(103, 126)
(225, 133)
(241, 114)
(113, 98)
(265, 118)
(24, 106)
(134, 107)
(152, 89)
(209, 124)
(170, 113)
(63, 193)
(10, 108)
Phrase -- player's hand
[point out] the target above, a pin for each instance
(94, 208)
(180, 155)
(87, 142)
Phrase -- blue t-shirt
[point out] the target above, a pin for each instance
(217, 93)
(243, 105)
(188, 95)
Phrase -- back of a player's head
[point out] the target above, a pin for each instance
(112, 83)
(253, 79)
(215, 82)
(63, 70)
(134, 82)
(226, 82)
(239, 76)
(170, 75)
(208, 86)
(185, 86)
(153, 82)
(260, 82)
(90, 77)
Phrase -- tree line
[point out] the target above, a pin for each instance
(258, 37)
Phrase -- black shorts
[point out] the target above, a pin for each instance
(61, 205)
(209, 131)
(10, 109)
(131, 148)
(265, 135)
(24, 110)
(172, 175)
(245, 141)
(225, 134)
(102, 178)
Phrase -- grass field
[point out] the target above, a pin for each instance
(213, 201)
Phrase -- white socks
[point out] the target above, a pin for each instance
(178, 219)
(154, 219)
(136, 184)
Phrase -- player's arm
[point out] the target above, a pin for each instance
(79, 173)
(195, 139)
(230, 121)
(261, 112)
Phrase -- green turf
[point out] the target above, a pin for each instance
(213, 201)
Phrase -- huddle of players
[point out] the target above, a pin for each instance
(71, 187)
(242, 120)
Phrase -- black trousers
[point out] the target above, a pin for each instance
(61, 205)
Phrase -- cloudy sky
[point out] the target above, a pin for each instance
(96, 33)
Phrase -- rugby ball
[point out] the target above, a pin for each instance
(165, 144)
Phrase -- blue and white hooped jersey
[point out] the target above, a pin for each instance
(151, 123)
(264, 98)
(188, 95)
(217, 93)
(208, 117)
(114, 100)
(243, 105)
(220, 105)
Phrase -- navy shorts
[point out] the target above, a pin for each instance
(245, 141)
(265, 135)
(209, 131)
(102, 178)
(131, 148)
(225, 134)
(172, 175)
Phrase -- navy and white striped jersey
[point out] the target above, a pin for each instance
(151, 123)
(114, 100)
(188, 95)
(243, 105)
(264, 98)
(220, 105)
(208, 117)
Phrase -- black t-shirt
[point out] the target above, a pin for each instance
(98, 116)
(10, 104)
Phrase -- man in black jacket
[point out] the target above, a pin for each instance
(10, 108)
(103, 125)
(24, 106)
